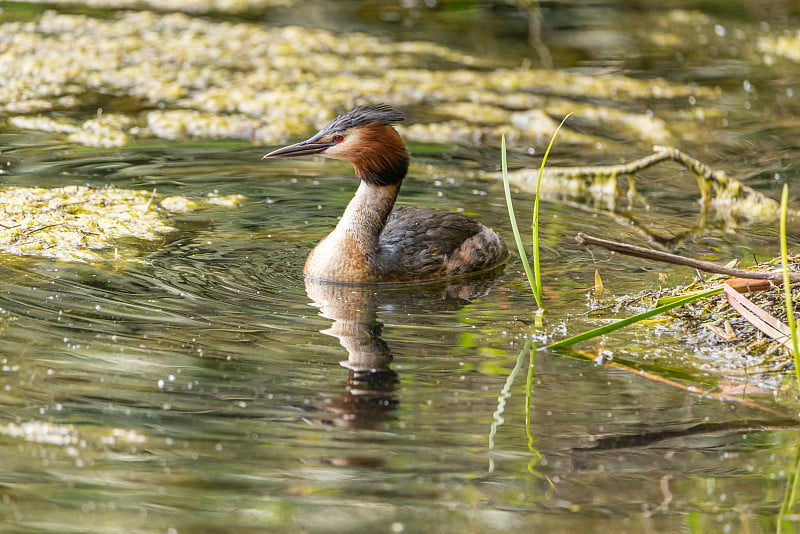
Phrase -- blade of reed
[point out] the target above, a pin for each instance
(669, 299)
(534, 275)
(787, 289)
(537, 270)
(605, 329)
(513, 220)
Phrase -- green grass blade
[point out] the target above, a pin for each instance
(787, 288)
(790, 495)
(669, 299)
(513, 219)
(537, 270)
(605, 329)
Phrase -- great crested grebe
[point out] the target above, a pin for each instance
(373, 242)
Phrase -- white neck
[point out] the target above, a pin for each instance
(347, 252)
(366, 214)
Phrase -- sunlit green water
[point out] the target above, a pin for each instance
(199, 389)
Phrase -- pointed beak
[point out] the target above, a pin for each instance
(303, 148)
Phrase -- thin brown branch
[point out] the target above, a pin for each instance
(656, 255)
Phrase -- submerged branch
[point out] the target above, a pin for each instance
(784, 418)
(656, 255)
(598, 183)
(660, 153)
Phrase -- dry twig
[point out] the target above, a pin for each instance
(657, 255)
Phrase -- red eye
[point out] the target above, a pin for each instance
(338, 138)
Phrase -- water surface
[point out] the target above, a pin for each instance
(205, 386)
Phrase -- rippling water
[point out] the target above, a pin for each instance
(205, 386)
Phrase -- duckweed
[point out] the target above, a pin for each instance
(187, 6)
(76, 223)
(785, 46)
(187, 123)
(105, 131)
(195, 78)
(43, 124)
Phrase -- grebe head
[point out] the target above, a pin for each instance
(363, 136)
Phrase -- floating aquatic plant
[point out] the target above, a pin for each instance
(242, 80)
(74, 223)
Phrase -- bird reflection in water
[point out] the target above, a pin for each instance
(371, 388)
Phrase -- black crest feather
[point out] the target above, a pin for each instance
(363, 115)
